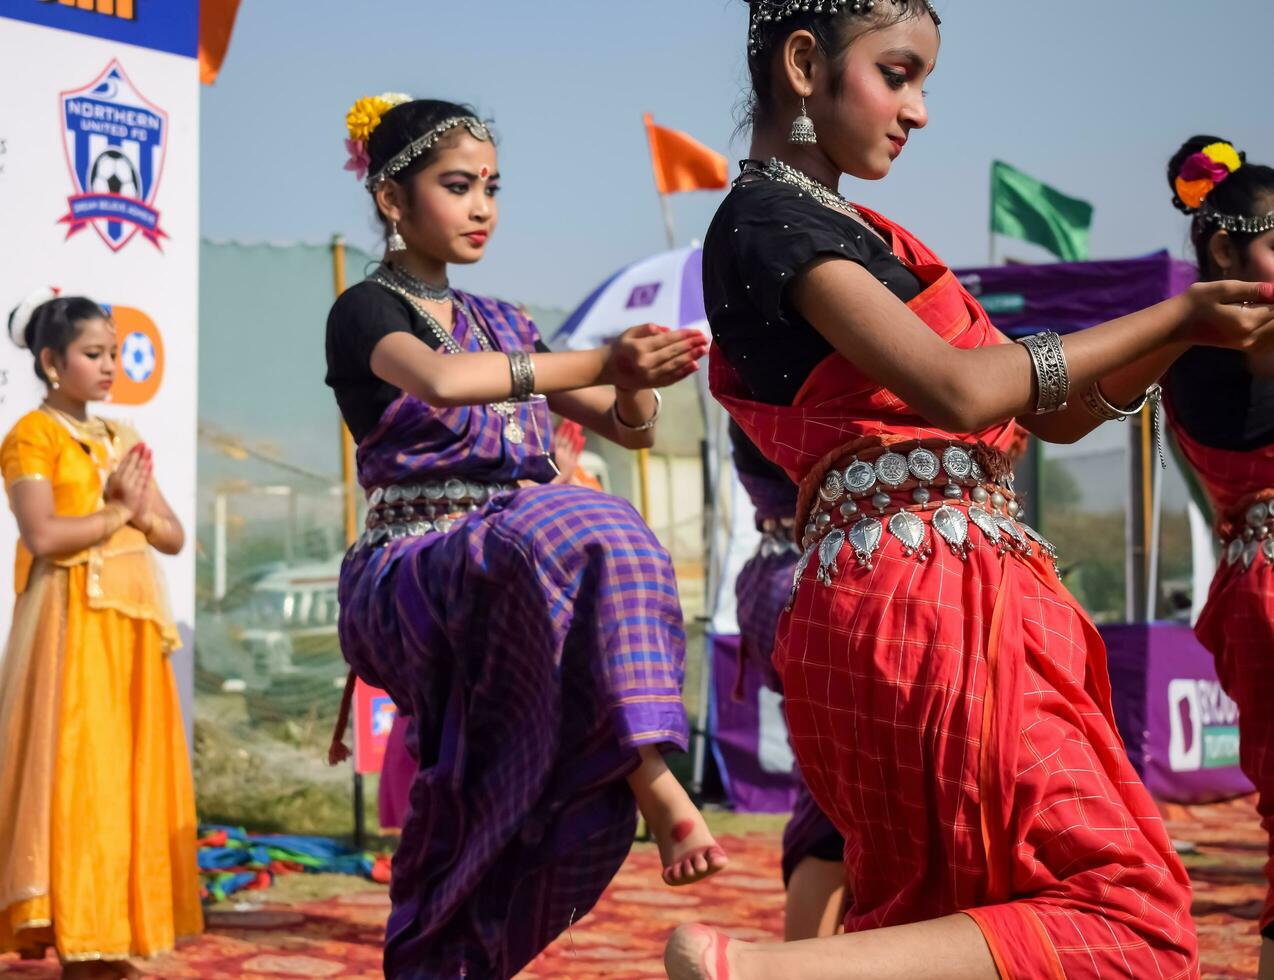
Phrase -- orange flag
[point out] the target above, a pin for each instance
(682, 163)
(216, 22)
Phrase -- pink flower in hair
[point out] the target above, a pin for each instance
(358, 161)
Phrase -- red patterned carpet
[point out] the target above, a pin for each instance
(623, 938)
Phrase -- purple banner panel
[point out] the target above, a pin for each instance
(749, 735)
(1180, 728)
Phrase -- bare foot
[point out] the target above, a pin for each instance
(687, 849)
(700, 953)
(126, 970)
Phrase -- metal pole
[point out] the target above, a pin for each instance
(669, 228)
(1138, 520)
(219, 547)
(289, 543)
(712, 575)
(643, 481)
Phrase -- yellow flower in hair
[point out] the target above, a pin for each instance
(364, 116)
(1224, 154)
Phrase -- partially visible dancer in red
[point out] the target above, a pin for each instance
(1221, 410)
(948, 700)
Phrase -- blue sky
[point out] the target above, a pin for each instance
(1090, 96)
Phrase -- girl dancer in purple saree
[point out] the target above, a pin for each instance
(530, 629)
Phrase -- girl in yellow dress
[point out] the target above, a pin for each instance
(97, 815)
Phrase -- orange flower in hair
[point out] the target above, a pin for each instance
(1201, 173)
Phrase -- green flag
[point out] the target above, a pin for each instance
(1023, 207)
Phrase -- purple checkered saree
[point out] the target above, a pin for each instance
(536, 644)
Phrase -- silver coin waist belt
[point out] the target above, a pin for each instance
(777, 537)
(892, 492)
(1250, 532)
(404, 510)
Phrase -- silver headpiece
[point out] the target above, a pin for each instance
(423, 144)
(1236, 223)
(766, 11)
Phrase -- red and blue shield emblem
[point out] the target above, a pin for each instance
(115, 141)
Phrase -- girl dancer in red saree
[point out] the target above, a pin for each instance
(1221, 409)
(948, 700)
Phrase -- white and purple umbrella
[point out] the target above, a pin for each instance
(666, 289)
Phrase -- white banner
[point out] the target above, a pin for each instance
(99, 192)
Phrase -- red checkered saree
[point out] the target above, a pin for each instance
(1237, 622)
(953, 716)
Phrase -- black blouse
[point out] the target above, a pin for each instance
(763, 235)
(360, 318)
(1219, 402)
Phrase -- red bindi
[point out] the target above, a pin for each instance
(485, 173)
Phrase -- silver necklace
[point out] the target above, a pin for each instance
(776, 169)
(417, 286)
(507, 410)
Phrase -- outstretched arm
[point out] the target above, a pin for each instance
(969, 390)
(643, 357)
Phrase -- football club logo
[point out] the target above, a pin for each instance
(115, 141)
(141, 357)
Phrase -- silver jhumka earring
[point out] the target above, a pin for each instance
(803, 129)
(395, 241)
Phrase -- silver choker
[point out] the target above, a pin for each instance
(417, 287)
(776, 169)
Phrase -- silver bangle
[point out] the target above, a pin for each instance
(522, 371)
(1098, 404)
(1052, 378)
(645, 426)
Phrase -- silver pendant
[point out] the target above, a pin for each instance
(865, 538)
(976, 472)
(986, 524)
(377, 496)
(832, 488)
(910, 530)
(513, 432)
(434, 491)
(924, 465)
(1267, 549)
(1233, 551)
(891, 470)
(799, 572)
(953, 526)
(1046, 546)
(957, 462)
(1009, 527)
(1249, 554)
(828, 551)
(859, 477)
(1257, 515)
